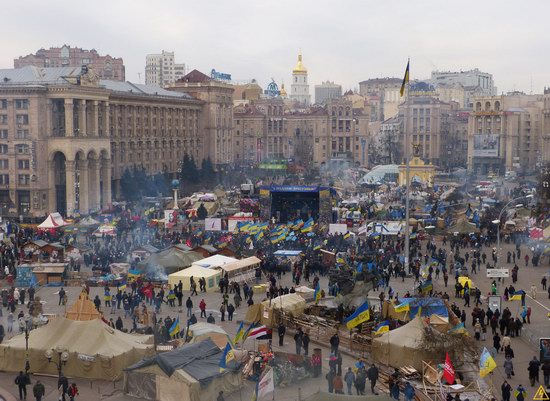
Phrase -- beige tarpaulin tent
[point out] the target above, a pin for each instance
(96, 351)
(212, 277)
(201, 331)
(83, 309)
(188, 373)
(403, 346)
(290, 304)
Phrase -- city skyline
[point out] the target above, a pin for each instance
(256, 40)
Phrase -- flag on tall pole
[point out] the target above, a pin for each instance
(448, 370)
(405, 80)
(361, 314)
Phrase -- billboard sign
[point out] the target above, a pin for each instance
(498, 273)
(486, 145)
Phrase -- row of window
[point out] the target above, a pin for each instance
(19, 134)
(22, 179)
(22, 119)
(21, 164)
(20, 104)
(19, 149)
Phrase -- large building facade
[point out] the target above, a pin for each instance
(162, 70)
(384, 96)
(334, 134)
(68, 136)
(216, 117)
(106, 67)
(506, 133)
(474, 82)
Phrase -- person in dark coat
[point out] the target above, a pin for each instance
(372, 375)
(305, 344)
(506, 391)
(281, 330)
(22, 380)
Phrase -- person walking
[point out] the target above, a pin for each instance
(533, 368)
(330, 380)
(189, 306)
(61, 296)
(334, 343)
(38, 390)
(520, 393)
(305, 344)
(22, 380)
(222, 312)
(298, 336)
(281, 330)
(372, 375)
(543, 282)
(506, 391)
(72, 392)
(62, 386)
(508, 367)
(202, 307)
(230, 311)
(534, 291)
(349, 378)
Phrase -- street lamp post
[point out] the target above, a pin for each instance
(498, 221)
(62, 358)
(27, 330)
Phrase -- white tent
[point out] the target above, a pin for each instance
(212, 277)
(214, 261)
(54, 220)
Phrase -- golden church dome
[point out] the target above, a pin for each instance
(300, 68)
(282, 92)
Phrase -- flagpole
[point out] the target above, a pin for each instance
(407, 174)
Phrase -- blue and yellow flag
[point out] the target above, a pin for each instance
(405, 79)
(361, 315)
(227, 356)
(317, 293)
(486, 363)
(382, 327)
(515, 297)
(402, 307)
(121, 286)
(133, 273)
(175, 328)
(245, 335)
(308, 226)
(347, 235)
(458, 329)
(240, 333)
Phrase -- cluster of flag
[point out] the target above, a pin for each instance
(317, 293)
(402, 307)
(253, 331)
(361, 314)
(281, 232)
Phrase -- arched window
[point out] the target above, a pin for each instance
(497, 106)
(487, 106)
(478, 106)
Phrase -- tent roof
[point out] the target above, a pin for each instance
(409, 335)
(83, 309)
(200, 328)
(463, 227)
(195, 271)
(239, 264)
(54, 220)
(172, 258)
(102, 339)
(286, 302)
(214, 261)
(200, 360)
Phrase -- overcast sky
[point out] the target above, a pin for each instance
(344, 41)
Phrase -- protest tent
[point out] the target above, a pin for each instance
(83, 309)
(189, 373)
(268, 312)
(403, 346)
(171, 260)
(241, 267)
(212, 277)
(54, 220)
(103, 356)
(214, 261)
(201, 331)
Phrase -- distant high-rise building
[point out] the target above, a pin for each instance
(162, 69)
(475, 83)
(299, 89)
(327, 90)
(106, 67)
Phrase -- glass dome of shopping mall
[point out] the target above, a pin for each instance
(381, 174)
